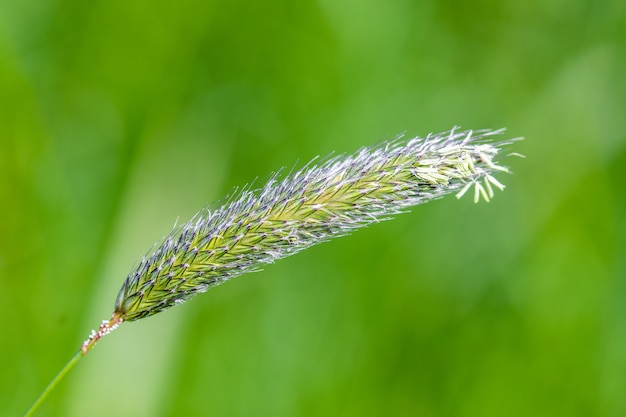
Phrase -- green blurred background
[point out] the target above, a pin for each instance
(119, 117)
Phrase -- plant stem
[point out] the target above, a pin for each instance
(105, 328)
(53, 383)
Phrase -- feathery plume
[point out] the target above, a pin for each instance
(309, 206)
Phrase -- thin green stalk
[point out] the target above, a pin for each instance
(53, 383)
(105, 328)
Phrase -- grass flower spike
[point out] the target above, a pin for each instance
(306, 207)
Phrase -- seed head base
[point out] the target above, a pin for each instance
(106, 327)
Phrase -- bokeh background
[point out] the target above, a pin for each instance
(119, 118)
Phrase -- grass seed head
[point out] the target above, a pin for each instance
(306, 207)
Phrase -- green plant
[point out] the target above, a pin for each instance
(306, 207)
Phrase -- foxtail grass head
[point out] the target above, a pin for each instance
(288, 214)
(319, 202)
